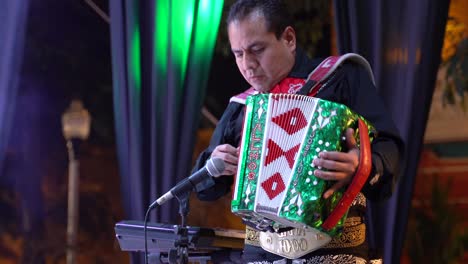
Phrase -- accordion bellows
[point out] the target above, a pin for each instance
(275, 184)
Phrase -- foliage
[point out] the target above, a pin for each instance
(435, 234)
(311, 17)
(456, 82)
(454, 58)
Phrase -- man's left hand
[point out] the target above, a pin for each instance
(340, 166)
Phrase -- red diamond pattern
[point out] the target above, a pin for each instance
(291, 121)
(275, 151)
(273, 186)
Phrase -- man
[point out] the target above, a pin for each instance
(264, 45)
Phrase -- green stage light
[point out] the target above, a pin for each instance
(182, 15)
(182, 27)
(161, 36)
(135, 60)
(207, 24)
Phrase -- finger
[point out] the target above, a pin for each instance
(226, 148)
(226, 157)
(335, 156)
(333, 189)
(342, 166)
(330, 175)
(350, 140)
(229, 169)
(229, 158)
(227, 153)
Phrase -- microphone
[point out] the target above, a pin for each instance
(213, 168)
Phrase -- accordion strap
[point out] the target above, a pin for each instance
(359, 179)
(327, 67)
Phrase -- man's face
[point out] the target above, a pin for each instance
(262, 59)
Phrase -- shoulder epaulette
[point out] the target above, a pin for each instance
(240, 98)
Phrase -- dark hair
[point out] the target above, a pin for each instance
(275, 12)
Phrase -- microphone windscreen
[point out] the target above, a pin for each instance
(215, 166)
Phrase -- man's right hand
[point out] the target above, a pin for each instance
(230, 156)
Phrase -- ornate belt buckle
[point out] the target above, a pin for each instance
(294, 243)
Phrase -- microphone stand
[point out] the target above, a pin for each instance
(179, 255)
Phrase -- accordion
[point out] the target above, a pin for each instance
(275, 186)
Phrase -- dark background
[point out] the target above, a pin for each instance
(66, 56)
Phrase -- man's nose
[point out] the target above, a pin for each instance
(249, 61)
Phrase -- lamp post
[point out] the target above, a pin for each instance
(76, 123)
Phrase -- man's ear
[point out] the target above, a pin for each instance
(289, 37)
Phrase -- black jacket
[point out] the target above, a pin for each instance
(350, 85)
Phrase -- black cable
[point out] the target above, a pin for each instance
(144, 231)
